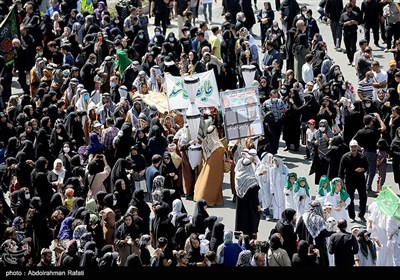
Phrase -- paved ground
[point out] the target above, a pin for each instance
(294, 161)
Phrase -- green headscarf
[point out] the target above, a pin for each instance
(288, 184)
(322, 180)
(122, 62)
(343, 193)
(306, 186)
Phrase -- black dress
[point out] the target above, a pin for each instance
(247, 216)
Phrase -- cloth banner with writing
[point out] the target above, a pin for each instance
(207, 94)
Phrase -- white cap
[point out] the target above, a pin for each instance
(353, 143)
(252, 152)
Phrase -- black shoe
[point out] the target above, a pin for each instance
(362, 219)
(372, 193)
(352, 221)
(306, 157)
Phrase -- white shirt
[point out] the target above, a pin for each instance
(380, 78)
(307, 73)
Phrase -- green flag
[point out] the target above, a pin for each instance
(9, 30)
(388, 202)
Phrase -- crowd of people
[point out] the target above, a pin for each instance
(92, 175)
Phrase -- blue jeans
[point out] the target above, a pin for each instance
(371, 158)
(209, 5)
(336, 30)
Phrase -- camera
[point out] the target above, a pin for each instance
(236, 234)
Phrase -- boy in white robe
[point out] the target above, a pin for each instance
(263, 179)
(278, 177)
(324, 188)
(301, 196)
(339, 198)
(288, 190)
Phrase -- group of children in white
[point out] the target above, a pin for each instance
(280, 190)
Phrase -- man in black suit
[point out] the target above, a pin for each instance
(343, 245)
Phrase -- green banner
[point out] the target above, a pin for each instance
(9, 30)
(388, 202)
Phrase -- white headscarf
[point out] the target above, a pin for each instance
(61, 173)
(176, 210)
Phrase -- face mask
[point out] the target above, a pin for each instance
(157, 33)
(322, 128)
(116, 21)
(27, 196)
(112, 84)
(244, 19)
(141, 36)
(94, 62)
(81, 162)
(171, 39)
(115, 201)
(66, 150)
(274, 99)
(86, 97)
(367, 105)
(40, 53)
(275, 27)
(371, 80)
(283, 91)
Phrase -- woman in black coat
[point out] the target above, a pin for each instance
(395, 153)
(285, 226)
(291, 120)
(305, 255)
(23, 170)
(199, 215)
(41, 146)
(58, 137)
(353, 120)
(143, 208)
(122, 194)
(119, 172)
(334, 155)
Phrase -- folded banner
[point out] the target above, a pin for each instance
(207, 94)
(9, 30)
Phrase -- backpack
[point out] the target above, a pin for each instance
(268, 115)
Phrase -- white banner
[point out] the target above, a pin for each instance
(207, 94)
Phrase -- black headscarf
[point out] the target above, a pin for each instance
(100, 199)
(275, 241)
(199, 215)
(133, 260)
(119, 171)
(124, 230)
(288, 215)
(217, 236)
(365, 245)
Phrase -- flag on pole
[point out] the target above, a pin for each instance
(9, 30)
(388, 202)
